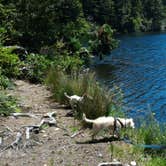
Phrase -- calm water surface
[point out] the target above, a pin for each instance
(140, 71)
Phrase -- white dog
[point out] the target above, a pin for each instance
(110, 123)
(74, 100)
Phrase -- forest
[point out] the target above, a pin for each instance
(43, 23)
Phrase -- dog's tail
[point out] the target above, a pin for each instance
(86, 119)
(66, 95)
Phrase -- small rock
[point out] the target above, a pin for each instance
(42, 131)
(133, 163)
(45, 135)
(56, 129)
(100, 155)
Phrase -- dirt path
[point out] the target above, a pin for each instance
(56, 147)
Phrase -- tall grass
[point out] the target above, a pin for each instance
(151, 133)
(102, 102)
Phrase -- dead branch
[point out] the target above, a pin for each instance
(17, 114)
(76, 133)
(47, 118)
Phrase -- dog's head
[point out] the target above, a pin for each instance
(131, 123)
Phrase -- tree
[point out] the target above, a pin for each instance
(100, 11)
(153, 10)
(41, 22)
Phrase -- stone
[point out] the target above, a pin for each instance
(133, 163)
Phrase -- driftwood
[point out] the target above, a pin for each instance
(48, 118)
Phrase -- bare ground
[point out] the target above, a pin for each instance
(56, 147)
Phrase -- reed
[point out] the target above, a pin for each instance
(101, 102)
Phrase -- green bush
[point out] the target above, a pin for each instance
(5, 82)
(69, 64)
(100, 98)
(8, 104)
(36, 67)
(10, 63)
(103, 42)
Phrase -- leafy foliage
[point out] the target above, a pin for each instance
(104, 41)
(8, 104)
(36, 67)
(69, 64)
(5, 82)
(9, 62)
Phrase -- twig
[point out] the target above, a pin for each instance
(8, 128)
(76, 133)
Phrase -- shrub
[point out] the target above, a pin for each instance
(10, 63)
(5, 82)
(36, 67)
(69, 64)
(104, 42)
(8, 104)
(79, 84)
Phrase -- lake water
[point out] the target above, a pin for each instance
(140, 71)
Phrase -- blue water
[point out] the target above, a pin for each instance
(140, 72)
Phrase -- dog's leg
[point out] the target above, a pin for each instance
(74, 109)
(96, 130)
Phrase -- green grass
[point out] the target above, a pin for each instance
(149, 133)
(156, 161)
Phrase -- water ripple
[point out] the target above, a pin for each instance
(140, 71)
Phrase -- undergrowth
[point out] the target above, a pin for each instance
(8, 104)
